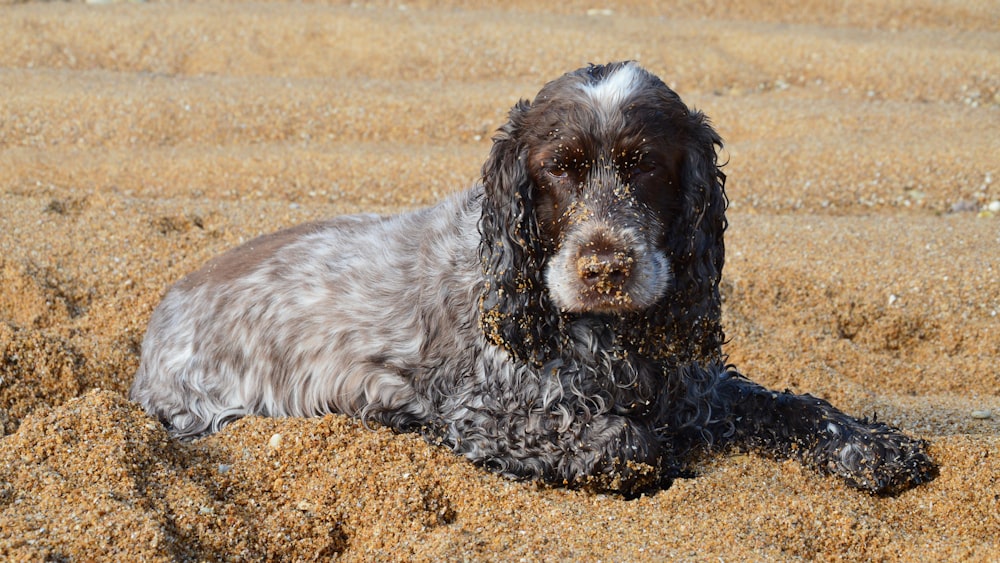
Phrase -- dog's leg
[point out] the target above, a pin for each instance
(869, 455)
(606, 453)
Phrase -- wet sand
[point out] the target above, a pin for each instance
(137, 140)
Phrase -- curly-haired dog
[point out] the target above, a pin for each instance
(560, 321)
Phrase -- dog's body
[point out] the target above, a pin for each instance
(560, 321)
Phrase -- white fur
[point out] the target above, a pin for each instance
(610, 94)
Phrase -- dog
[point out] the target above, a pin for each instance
(559, 321)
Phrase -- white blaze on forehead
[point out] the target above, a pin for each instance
(611, 91)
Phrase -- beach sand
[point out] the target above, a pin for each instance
(137, 140)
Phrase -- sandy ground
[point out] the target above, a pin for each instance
(138, 140)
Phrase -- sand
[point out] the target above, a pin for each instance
(139, 139)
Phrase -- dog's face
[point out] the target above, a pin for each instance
(603, 196)
(605, 151)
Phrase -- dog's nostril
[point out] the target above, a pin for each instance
(617, 275)
(604, 270)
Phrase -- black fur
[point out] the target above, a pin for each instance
(681, 397)
(561, 321)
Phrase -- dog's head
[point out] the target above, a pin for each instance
(602, 197)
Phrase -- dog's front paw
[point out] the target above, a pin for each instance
(877, 458)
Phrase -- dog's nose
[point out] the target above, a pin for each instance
(604, 270)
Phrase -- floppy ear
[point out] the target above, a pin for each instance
(507, 221)
(697, 245)
(514, 304)
(705, 196)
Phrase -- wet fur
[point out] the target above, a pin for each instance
(478, 321)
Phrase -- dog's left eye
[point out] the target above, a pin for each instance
(641, 168)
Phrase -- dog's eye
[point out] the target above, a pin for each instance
(557, 172)
(642, 167)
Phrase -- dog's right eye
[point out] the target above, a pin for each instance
(557, 172)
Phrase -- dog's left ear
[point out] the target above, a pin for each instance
(705, 199)
(696, 244)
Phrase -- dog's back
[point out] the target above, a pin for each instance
(322, 317)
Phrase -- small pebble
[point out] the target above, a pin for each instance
(982, 414)
(963, 206)
(275, 442)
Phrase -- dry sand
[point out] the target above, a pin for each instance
(138, 140)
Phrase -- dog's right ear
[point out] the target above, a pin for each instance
(514, 307)
(505, 172)
(508, 221)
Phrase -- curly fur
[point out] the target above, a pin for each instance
(560, 321)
